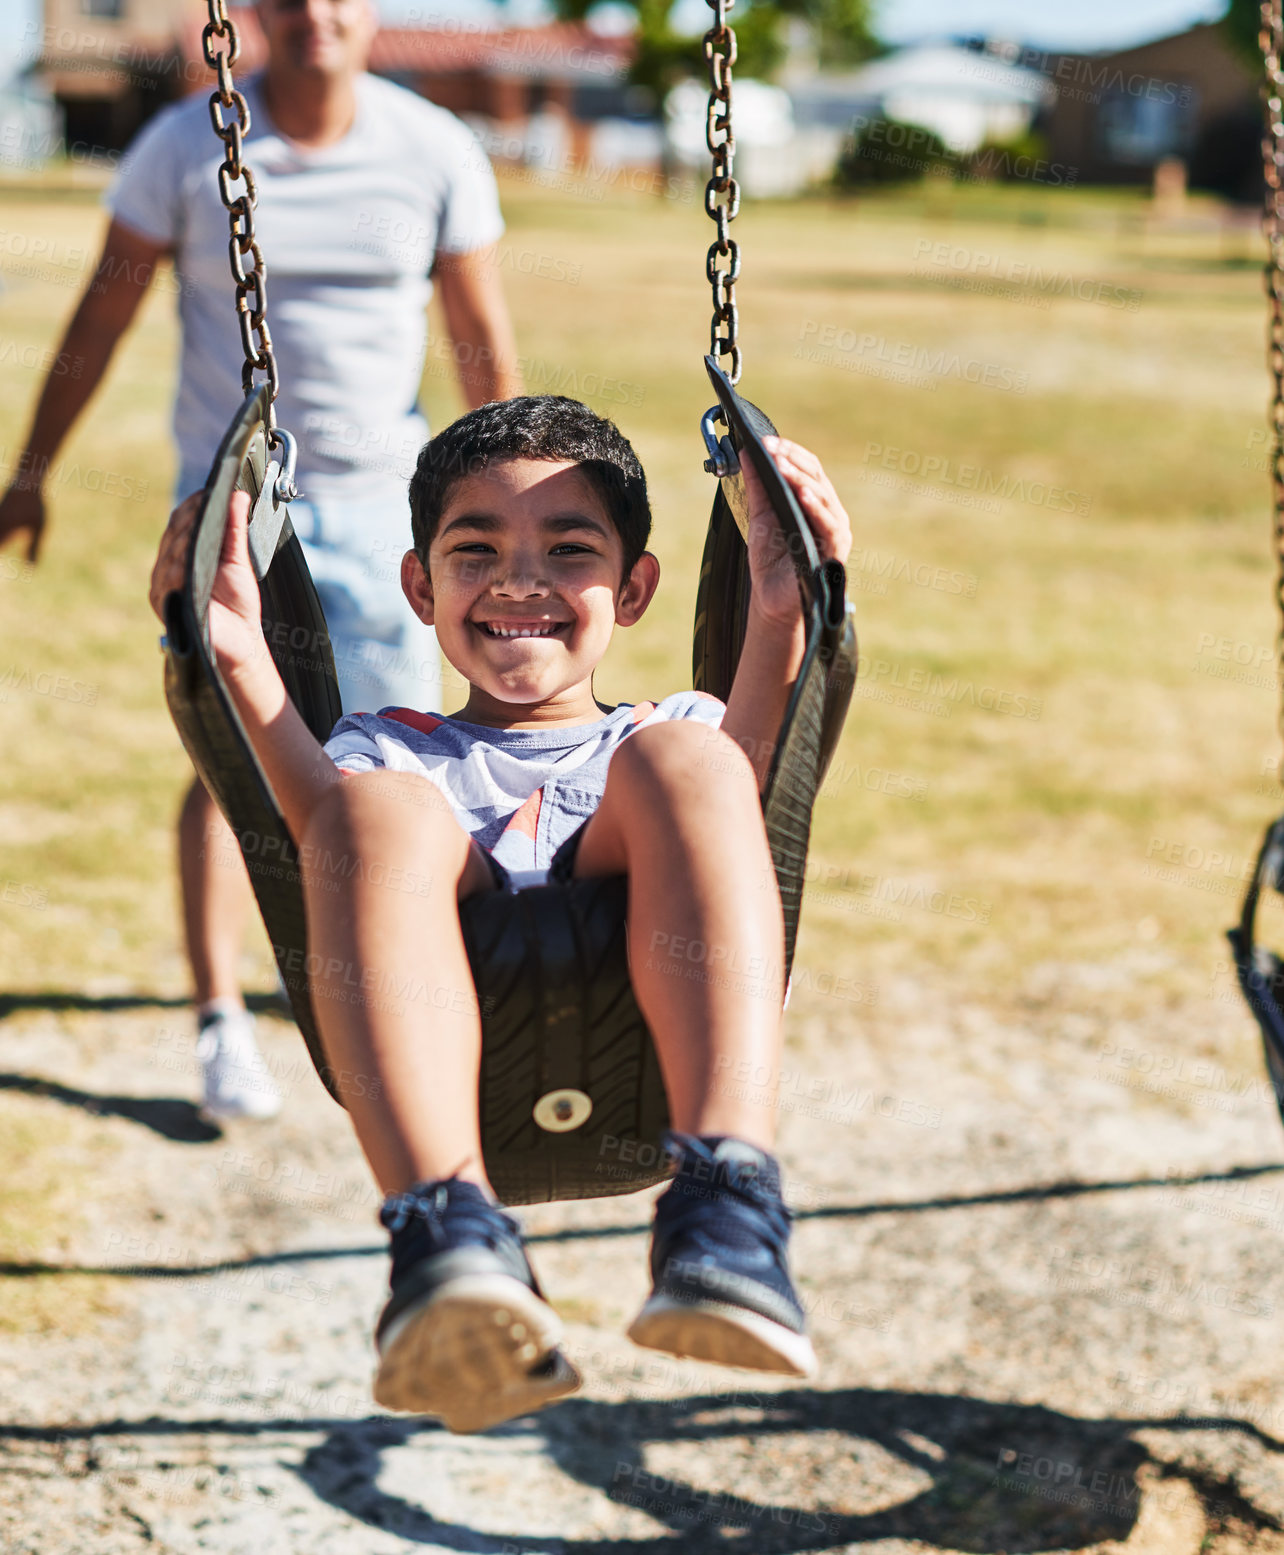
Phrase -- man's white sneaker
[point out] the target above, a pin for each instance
(237, 1082)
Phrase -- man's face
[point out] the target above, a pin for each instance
(523, 583)
(329, 36)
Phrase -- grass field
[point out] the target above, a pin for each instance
(1044, 413)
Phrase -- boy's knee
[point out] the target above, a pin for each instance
(684, 748)
(722, 753)
(372, 802)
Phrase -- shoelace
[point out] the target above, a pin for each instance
(474, 1217)
(738, 1192)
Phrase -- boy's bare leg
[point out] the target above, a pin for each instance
(465, 1334)
(681, 816)
(217, 899)
(385, 863)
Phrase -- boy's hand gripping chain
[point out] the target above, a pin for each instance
(821, 694)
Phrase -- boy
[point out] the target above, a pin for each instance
(530, 520)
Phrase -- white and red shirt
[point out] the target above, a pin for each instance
(519, 792)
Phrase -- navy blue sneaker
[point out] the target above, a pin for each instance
(466, 1335)
(722, 1290)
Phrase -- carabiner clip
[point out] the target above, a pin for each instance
(285, 490)
(722, 460)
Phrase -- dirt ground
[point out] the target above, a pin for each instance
(1040, 1250)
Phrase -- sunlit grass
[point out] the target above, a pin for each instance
(1105, 620)
(49, 1165)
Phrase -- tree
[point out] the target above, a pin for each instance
(664, 57)
(1240, 27)
(842, 28)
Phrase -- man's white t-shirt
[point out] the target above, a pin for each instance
(348, 233)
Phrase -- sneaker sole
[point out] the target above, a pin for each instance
(723, 1334)
(476, 1352)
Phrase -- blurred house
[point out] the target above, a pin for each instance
(792, 135)
(30, 123)
(1191, 96)
(109, 64)
(1103, 118)
(965, 97)
(771, 158)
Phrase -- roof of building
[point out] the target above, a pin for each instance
(557, 50)
(950, 71)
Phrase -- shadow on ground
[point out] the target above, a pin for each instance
(949, 1471)
(1036, 1193)
(168, 1116)
(63, 1001)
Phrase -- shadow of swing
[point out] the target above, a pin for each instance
(960, 1452)
(63, 1001)
(941, 1469)
(169, 1116)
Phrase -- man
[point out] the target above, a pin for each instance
(364, 189)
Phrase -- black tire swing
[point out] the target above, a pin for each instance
(1259, 969)
(570, 1095)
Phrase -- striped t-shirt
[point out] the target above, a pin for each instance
(519, 792)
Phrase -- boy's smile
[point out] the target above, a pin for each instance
(523, 629)
(524, 587)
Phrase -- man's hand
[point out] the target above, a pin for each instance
(236, 632)
(775, 582)
(22, 510)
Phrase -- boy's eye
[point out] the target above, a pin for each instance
(572, 548)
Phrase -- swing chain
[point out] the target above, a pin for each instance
(722, 192)
(251, 282)
(1272, 43)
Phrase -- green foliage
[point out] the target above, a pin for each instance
(885, 151)
(841, 27)
(1240, 27)
(664, 57)
(760, 45)
(1004, 160)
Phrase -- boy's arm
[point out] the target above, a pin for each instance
(774, 636)
(298, 769)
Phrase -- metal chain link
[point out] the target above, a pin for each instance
(1272, 42)
(722, 192)
(251, 283)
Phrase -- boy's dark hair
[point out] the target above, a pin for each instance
(533, 426)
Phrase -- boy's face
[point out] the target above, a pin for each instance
(523, 584)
